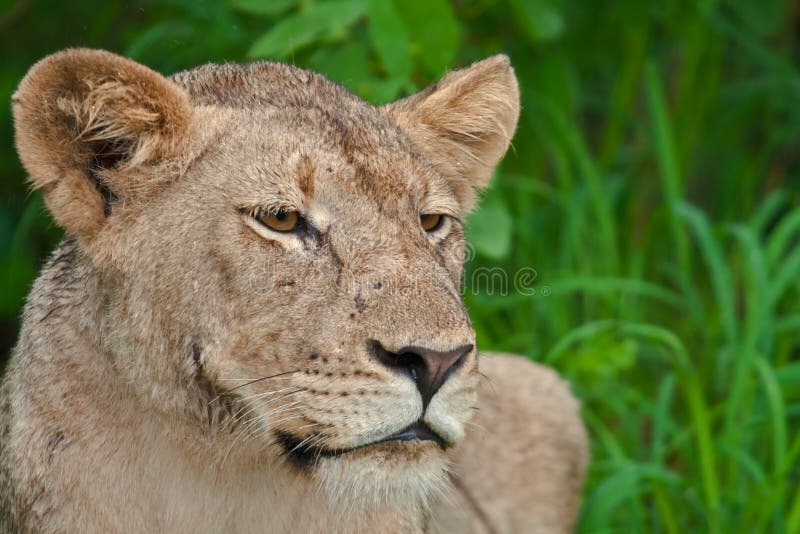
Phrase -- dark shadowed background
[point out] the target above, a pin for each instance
(641, 236)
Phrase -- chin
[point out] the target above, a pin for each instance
(395, 472)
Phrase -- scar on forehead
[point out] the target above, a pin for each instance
(305, 176)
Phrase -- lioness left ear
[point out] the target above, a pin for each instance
(95, 130)
(463, 124)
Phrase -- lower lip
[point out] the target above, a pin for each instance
(417, 431)
(309, 456)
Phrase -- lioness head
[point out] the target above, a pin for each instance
(278, 261)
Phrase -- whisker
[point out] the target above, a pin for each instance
(309, 438)
(237, 387)
(282, 409)
(250, 431)
(264, 378)
(295, 416)
(254, 431)
(238, 416)
(268, 393)
(244, 379)
(273, 403)
(309, 425)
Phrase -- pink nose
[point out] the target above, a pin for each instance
(428, 368)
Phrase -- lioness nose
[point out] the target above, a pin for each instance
(428, 368)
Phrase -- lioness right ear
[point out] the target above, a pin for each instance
(463, 123)
(94, 129)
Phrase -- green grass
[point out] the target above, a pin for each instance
(652, 186)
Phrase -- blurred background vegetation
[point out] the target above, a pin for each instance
(653, 186)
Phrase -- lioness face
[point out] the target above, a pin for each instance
(282, 260)
(343, 331)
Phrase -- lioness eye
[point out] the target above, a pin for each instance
(280, 221)
(431, 221)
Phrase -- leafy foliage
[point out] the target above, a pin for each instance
(652, 187)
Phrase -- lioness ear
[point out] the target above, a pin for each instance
(463, 124)
(94, 129)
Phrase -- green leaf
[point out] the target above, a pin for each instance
(619, 489)
(389, 37)
(156, 37)
(615, 286)
(347, 64)
(263, 7)
(603, 358)
(381, 91)
(490, 229)
(14, 284)
(718, 270)
(554, 82)
(435, 33)
(306, 27)
(540, 19)
(760, 16)
(789, 375)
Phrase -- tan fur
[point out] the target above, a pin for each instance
(175, 354)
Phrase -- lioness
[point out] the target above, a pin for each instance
(254, 323)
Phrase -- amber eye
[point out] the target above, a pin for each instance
(280, 221)
(431, 221)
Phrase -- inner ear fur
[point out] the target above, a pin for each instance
(93, 129)
(463, 124)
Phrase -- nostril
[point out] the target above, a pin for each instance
(376, 350)
(412, 368)
(413, 364)
(407, 362)
(389, 359)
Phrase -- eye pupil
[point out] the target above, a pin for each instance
(281, 215)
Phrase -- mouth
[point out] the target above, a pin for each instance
(303, 453)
